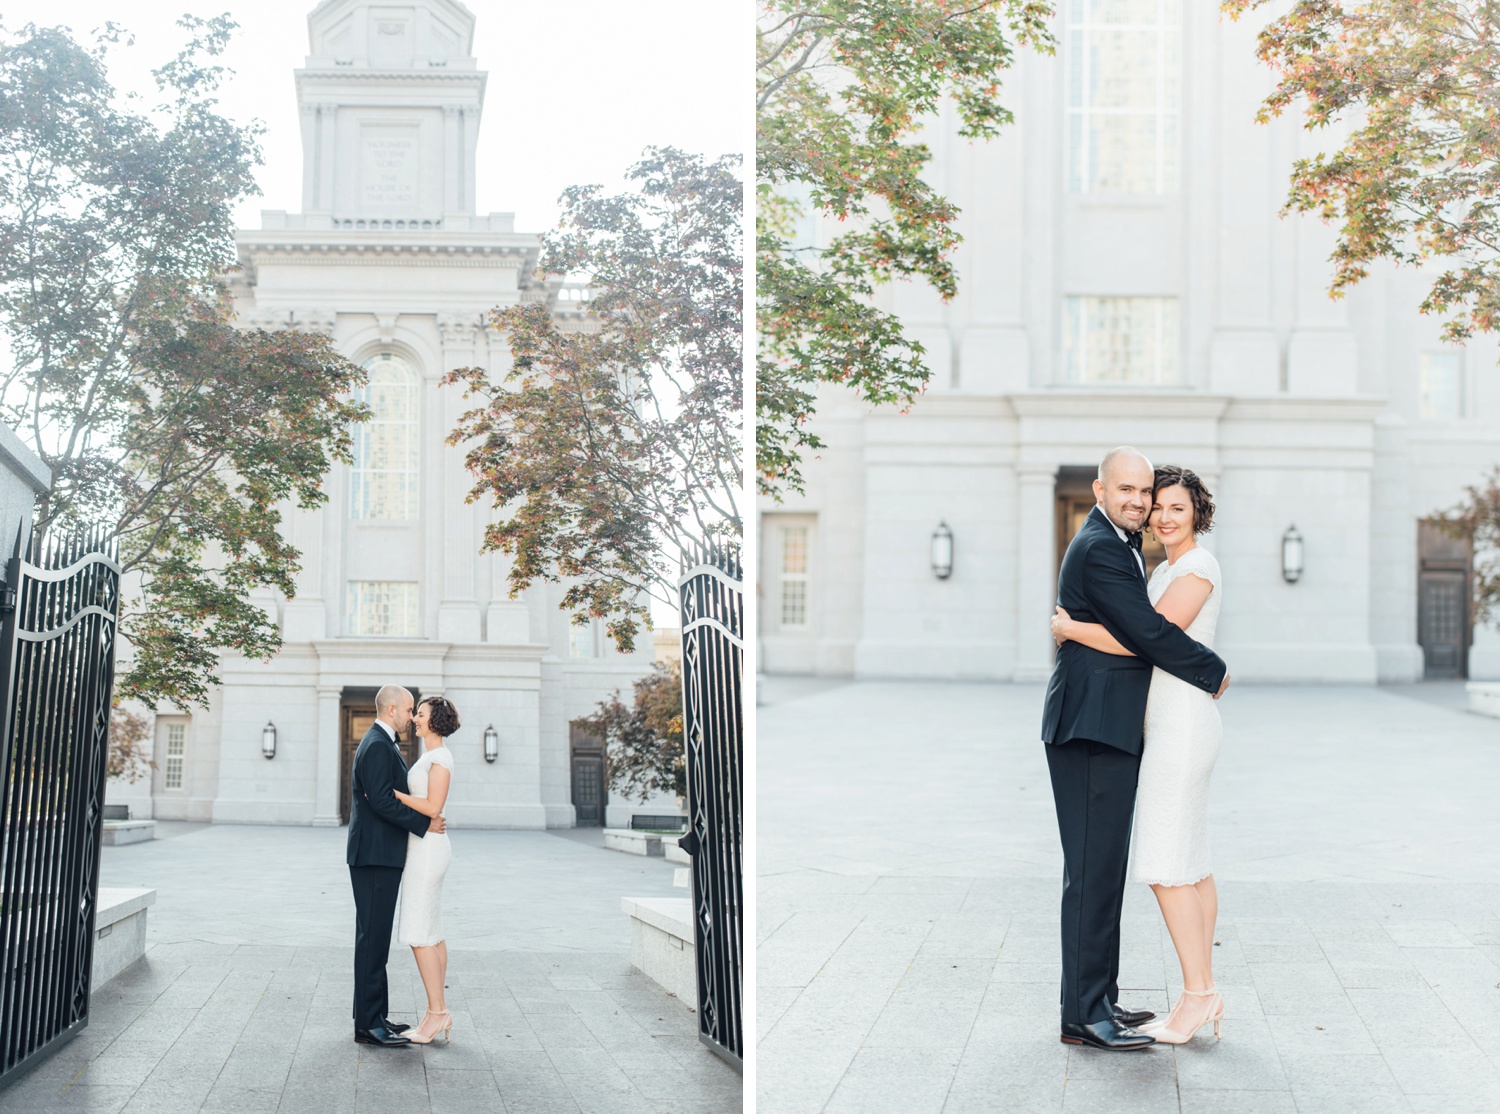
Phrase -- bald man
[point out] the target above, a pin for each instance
(1094, 727)
(378, 824)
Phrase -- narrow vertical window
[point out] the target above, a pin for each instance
(384, 480)
(582, 640)
(1123, 75)
(382, 609)
(1440, 376)
(172, 767)
(794, 576)
(1120, 340)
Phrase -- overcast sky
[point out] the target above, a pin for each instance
(576, 89)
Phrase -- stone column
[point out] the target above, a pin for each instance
(325, 157)
(326, 794)
(1322, 358)
(458, 607)
(310, 160)
(1244, 354)
(305, 615)
(452, 160)
(1036, 564)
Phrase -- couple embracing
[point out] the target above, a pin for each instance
(1132, 729)
(398, 845)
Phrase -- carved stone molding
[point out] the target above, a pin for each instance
(315, 320)
(268, 319)
(457, 329)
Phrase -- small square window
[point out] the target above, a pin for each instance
(1441, 383)
(382, 609)
(793, 576)
(172, 765)
(1120, 340)
(582, 640)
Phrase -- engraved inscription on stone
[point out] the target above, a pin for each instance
(388, 176)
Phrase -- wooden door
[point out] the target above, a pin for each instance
(590, 789)
(356, 716)
(356, 721)
(1073, 509)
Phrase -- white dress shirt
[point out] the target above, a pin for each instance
(1139, 560)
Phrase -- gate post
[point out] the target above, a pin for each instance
(712, 600)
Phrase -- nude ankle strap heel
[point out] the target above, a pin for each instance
(1165, 1035)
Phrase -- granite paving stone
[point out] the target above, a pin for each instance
(549, 1016)
(910, 872)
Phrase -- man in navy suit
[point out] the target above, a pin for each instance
(378, 824)
(1094, 727)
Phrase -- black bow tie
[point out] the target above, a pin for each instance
(1134, 541)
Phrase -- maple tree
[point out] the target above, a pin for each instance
(1477, 519)
(844, 89)
(1414, 174)
(612, 447)
(643, 739)
(128, 377)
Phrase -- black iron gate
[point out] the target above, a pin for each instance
(712, 598)
(57, 664)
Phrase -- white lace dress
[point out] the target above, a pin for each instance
(1169, 840)
(427, 859)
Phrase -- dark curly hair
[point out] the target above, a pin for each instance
(443, 718)
(1169, 475)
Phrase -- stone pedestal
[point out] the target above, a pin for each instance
(661, 944)
(1484, 697)
(119, 931)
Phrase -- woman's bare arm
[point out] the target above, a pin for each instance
(1179, 605)
(1183, 599)
(1092, 635)
(438, 780)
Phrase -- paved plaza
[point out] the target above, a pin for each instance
(242, 1003)
(908, 909)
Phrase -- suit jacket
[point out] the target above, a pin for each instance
(378, 823)
(1099, 696)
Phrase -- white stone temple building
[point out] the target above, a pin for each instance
(1125, 278)
(390, 258)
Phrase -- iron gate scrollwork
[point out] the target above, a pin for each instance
(57, 661)
(712, 598)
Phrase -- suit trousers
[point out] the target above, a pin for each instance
(1093, 786)
(375, 890)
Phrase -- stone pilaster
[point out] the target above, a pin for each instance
(1036, 564)
(326, 798)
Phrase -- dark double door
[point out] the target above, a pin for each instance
(590, 788)
(1443, 591)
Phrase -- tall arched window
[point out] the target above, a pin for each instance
(384, 482)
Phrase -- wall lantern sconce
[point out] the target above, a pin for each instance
(1291, 555)
(491, 743)
(268, 740)
(942, 552)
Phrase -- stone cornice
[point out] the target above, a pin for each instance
(333, 249)
(1133, 404)
(350, 73)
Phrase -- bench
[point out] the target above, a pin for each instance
(641, 822)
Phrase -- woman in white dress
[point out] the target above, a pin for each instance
(427, 859)
(1169, 841)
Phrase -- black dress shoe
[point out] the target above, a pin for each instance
(1109, 1035)
(382, 1036)
(1122, 1015)
(401, 1026)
